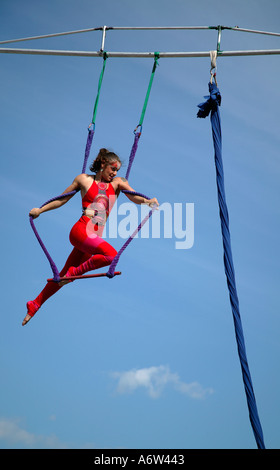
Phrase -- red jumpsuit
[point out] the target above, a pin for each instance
(90, 250)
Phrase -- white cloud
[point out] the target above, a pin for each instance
(154, 380)
(14, 435)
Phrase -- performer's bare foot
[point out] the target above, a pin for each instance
(68, 274)
(26, 319)
(64, 281)
(32, 308)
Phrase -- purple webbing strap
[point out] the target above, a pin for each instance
(56, 276)
(133, 152)
(114, 263)
(125, 191)
(88, 146)
(56, 198)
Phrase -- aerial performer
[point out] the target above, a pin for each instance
(99, 192)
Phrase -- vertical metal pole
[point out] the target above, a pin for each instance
(103, 39)
(219, 39)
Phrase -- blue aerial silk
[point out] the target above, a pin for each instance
(211, 106)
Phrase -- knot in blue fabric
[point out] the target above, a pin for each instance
(213, 101)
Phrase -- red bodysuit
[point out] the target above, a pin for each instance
(87, 232)
(90, 250)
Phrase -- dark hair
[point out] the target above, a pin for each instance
(104, 156)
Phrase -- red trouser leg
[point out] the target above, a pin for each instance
(75, 258)
(104, 255)
(90, 252)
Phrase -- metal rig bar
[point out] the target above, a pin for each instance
(236, 28)
(137, 54)
(137, 28)
(51, 35)
(99, 53)
(107, 28)
(103, 38)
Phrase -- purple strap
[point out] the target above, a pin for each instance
(110, 273)
(88, 146)
(114, 263)
(56, 276)
(125, 191)
(133, 152)
(56, 198)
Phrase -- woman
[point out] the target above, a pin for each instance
(98, 192)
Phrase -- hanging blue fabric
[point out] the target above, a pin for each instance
(211, 106)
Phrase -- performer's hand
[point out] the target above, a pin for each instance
(153, 202)
(34, 213)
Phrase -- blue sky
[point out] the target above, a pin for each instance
(148, 359)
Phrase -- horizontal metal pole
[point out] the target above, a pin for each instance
(236, 28)
(147, 28)
(139, 28)
(107, 28)
(54, 35)
(137, 54)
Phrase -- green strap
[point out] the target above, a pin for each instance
(105, 56)
(149, 88)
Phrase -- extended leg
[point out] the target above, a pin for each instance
(75, 258)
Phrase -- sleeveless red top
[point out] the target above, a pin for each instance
(100, 198)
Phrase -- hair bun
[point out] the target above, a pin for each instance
(104, 156)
